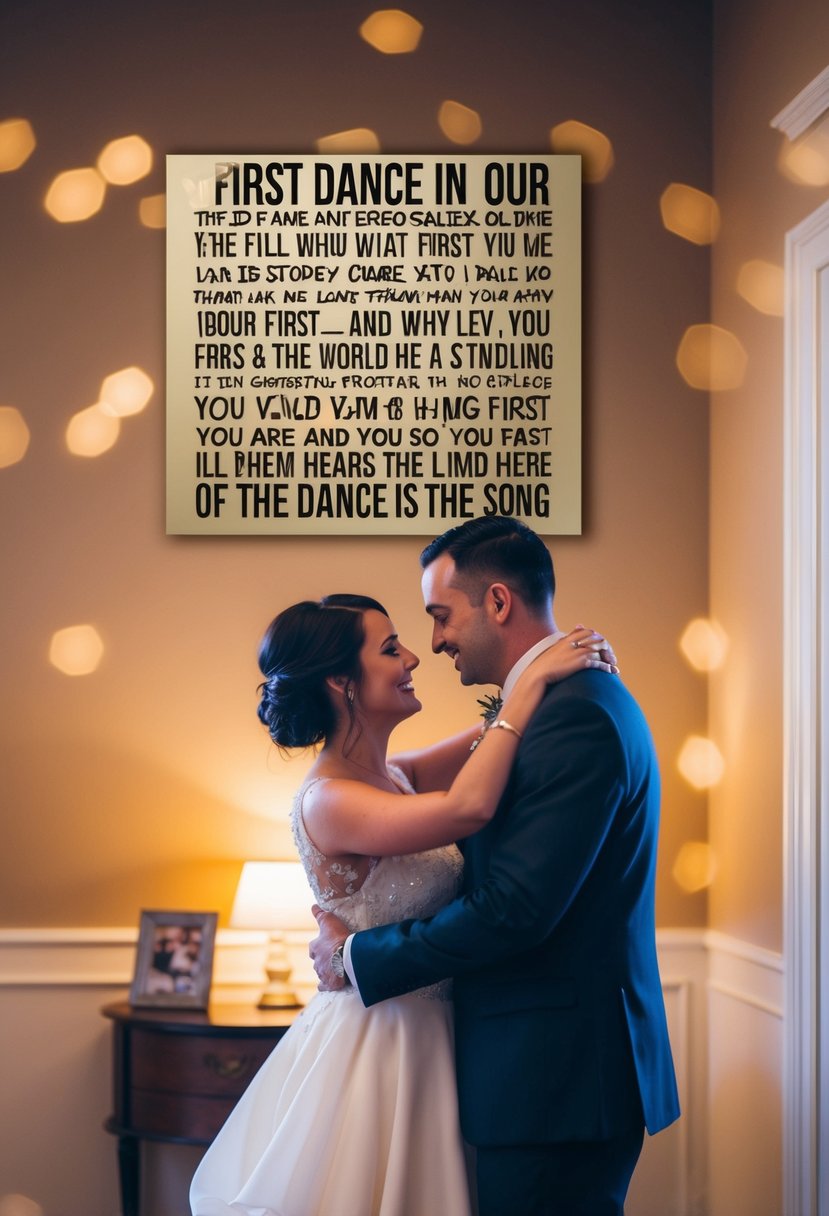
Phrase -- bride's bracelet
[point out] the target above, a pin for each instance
(504, 725)
(499, 723)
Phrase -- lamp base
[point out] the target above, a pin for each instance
(278, 993)
(277, 996)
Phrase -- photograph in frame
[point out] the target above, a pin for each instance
(174, 959)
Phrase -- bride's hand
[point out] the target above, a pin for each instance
(579, 649)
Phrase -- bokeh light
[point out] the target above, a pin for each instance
(391, 31)
(704, 644)
(459, 123)
(76, 650)
(17, 143)
(359, 139)
(700, 762)
(152, 211)
(75, 195)
(19, 1205)
(125, 392)
(806, 160)
(761, 284)
(595, 149)
(711, 358)
(125, 160)
(695, 867)
(690, 213)
(14, 436)
(92, 431)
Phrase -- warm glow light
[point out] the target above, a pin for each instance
(92, 431)
(14, 436)
(77, 650)
(704, 644)
(75, 195)
(806, 161)
(152, 211)
(391, 31)
(459, 123)
(711, 358)
(700, 762)
(761, 285)
(125, 392)
(272, 895)
(17, 143)
(695, 867)
(690, 213)
(359, 139)
(125, 160)
(595, 148)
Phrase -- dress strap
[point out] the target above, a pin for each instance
(316, 853)
(332, 878)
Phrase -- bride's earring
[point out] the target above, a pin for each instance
(349, 692)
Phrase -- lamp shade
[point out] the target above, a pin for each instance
(272, 895)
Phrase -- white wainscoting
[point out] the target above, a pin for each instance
(724, 1007)
(745, 1079)
(670, 1177)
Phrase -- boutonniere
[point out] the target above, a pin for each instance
(491, 707)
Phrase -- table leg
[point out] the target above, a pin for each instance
(129, 1171)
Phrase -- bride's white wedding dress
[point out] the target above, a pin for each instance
(355, 1111)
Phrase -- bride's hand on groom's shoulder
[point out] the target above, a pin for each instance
(578, 650)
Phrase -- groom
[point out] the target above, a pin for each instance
(563, 1056)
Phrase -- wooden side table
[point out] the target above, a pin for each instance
(178, 1074)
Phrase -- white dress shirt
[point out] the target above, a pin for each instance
(523, 663)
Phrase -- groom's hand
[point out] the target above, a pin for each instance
(332, 933)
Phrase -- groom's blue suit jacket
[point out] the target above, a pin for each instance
(560, 1023)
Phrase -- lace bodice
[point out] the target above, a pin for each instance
(381, 890)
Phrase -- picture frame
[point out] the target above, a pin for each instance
(174, 959)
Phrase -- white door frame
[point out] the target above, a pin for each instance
(806, 719)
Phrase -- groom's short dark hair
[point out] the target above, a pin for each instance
(498, 548)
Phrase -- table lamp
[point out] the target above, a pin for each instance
(274, 895)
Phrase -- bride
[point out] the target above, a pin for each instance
(355, 1111)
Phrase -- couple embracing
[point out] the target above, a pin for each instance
(502, 993)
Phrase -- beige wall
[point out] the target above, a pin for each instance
(765, 54)
(147, 783)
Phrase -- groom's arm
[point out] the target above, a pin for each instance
(570, 778)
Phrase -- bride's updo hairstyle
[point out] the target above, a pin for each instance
(304, 646)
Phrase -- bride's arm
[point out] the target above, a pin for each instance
(346, 816)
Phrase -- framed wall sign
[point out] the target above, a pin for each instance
(372, 344)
